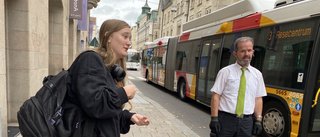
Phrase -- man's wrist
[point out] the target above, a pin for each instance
(259, 116)
(258, 122)
(214, 118)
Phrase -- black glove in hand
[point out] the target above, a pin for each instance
(257, 127)
(214, 126)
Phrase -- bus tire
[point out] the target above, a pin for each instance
(275, 122)
(182, 90)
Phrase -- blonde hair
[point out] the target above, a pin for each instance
(107, 28)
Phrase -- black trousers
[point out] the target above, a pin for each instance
(233, 126)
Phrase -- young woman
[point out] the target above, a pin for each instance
(96, 86)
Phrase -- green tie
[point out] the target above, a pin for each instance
(242, 93)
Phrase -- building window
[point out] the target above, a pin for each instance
(168, 17)
(178, 9)
(208, 10)
(172, 15)
(178, 30)
(199, 14)
(191, 17)
(181, 8)
(192, 4)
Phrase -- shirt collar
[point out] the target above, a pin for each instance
(239, 67)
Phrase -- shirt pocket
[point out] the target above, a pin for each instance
(252, 86)
(232, 84)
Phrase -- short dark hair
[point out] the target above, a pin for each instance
(241, 39)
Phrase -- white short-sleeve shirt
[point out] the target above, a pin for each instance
(227, 86)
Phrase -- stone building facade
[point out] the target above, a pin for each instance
(134, 37)
(147, 26)
(172, 14)
(37, 39)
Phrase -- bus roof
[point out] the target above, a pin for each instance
(159, 42)
(257, 17)
(148, 43)
(234, 11)
(164, 40)
(132, 50)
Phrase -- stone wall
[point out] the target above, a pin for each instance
(3, 81)
(37, 39)
(27, 50)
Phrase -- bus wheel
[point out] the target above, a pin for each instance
(275, 121)
(182, 90)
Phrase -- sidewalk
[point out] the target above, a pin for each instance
(163, 123)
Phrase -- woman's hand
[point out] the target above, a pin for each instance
(140, 120)
(130, 90)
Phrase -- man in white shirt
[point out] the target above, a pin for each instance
(226, 119)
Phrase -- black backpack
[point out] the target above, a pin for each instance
(49, 114)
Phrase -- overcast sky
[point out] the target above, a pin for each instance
(127, 10)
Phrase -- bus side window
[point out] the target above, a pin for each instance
(258, 57)
(183, 56)
(286, 57)
(150, 54)
(303, 52)
(145, 57)
(179, 60)
(194, 56)
(161, 55)
(227, 57)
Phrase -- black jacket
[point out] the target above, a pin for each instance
(94, 89)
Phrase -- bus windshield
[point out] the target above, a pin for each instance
(133, 57)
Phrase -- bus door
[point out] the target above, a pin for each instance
(315, 114)
(208, 69)
(149, 60)
(314, 129)
(161, 53)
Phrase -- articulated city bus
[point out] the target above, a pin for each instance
(133, 59)
(287, 52)
(154, 60)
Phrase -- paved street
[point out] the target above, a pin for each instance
(193, 114)
(163, 123)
